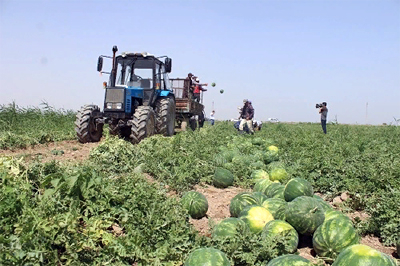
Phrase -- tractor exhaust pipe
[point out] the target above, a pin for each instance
(114, 66)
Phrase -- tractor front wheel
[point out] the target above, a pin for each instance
(87, 130)
(165, 113)
(143, 123)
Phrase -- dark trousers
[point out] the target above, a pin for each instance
(323, 124)
(197, 96)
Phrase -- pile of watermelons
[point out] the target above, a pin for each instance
(274, 210)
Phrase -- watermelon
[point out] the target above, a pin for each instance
(333, 236)
(297, 187)
(275, 190)
(261, 185)
(257, 141)
(258, 175)
(213, 84)
(270, 156)
(289, 260)
(256, 217)
(276, 207)
(207, 257)
(260, 197)
(325, 205)
(195, 203)
(281, 229)
(333, 214)
(362, 255)
(223, 178)
(240, 201)
(257, 165)
(278, 174)
(228, 227)
(305, 214)
(273, 148)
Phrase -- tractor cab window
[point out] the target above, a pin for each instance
(124, 71)
(166, 82)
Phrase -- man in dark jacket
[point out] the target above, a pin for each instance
(188, 87)
(246, 116)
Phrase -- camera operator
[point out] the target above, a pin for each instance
(323, 110)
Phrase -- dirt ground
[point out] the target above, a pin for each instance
(218, 199)
(70, 150)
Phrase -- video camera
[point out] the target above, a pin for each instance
(319, 105)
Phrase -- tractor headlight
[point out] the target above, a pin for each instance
(119, 105)
(109, 105)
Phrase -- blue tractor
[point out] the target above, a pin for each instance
(138, 102)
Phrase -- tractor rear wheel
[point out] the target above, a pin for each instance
(87, 130)
(143, 123)
(165, 113)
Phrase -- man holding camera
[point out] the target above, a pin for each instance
(323, 110)
(246, 117)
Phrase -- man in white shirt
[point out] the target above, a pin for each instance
(212, 118)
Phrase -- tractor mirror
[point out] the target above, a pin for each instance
(168, 65)
(100, 64)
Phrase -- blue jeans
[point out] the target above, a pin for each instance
(212, 121)
(323, 124)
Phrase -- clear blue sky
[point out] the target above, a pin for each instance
(285, 56)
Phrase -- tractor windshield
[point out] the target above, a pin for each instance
(135, 72)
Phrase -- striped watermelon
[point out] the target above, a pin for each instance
(257, 175)
(223, 178)
(333, 214)
(256, 217)
(280, 229)
(228, 227)
(289, 260)
(260, 197)
(362, 255)
(325, 205)
(270, 156)
(240, 201)
(333, 236)
(276, 207)
(195, 203)
(207, 257)
(261, 185)
(275, 190)
(297, 187)
(305, 214)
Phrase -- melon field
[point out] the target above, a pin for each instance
(288, 195)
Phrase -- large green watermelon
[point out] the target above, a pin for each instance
(276, 206)
(240, 201)
(297, 187)
(260, 197)
(207, 257)
(270, 156)
(223, 178)
(276, 229)
(261, 185)
(333, 236)
(195, 203)
(305, 214)
(333, 214)
(256, 217)
(290, 260)
(362, 255)
(228, 227)
(325, 205)
(257, 175)
(275, 190)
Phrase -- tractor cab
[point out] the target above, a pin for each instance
(136, 79)
(138, 102)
